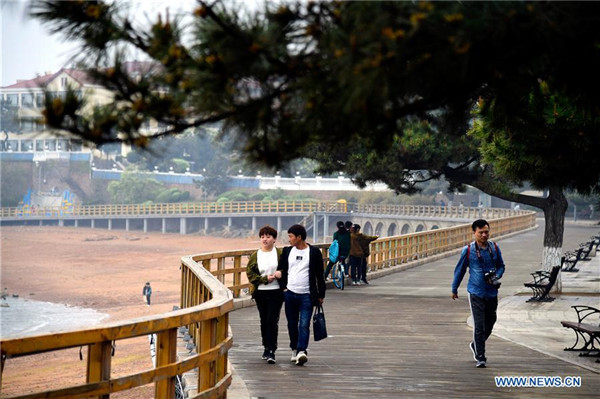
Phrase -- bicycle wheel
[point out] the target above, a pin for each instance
(337, 276)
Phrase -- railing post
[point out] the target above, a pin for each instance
(166, 345)
(207, 338)
(98, 363)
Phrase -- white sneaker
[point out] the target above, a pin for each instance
(294, 356)
(358, 283)
(301, 358)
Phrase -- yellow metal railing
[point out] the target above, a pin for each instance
(205, 307)
(250, 207)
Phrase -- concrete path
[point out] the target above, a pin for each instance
(403, 337)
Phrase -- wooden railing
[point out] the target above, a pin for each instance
(250, 207)
(205, 304)
(229, 267)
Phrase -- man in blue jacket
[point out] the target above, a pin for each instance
(484, 260)
(300, 274)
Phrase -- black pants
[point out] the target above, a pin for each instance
(484, 318)
(362, 275)
(269, 304)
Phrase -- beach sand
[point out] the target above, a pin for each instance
(101, 270)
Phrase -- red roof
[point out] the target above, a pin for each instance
(131, 67)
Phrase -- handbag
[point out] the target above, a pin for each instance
(319, 326)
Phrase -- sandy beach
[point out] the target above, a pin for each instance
(100, 270)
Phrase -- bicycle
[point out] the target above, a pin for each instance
(338, 274)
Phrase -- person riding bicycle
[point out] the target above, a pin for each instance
(343, 238)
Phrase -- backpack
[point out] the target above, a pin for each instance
(469, 252)
(334, 251)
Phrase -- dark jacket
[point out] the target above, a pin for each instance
(316, 279)
(343, 240)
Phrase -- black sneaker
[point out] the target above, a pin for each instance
(265, 354)
(480, 364)
(364, 280)
(271, 357)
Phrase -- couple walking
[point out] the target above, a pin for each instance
(292, 275)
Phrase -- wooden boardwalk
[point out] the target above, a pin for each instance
(403, 337)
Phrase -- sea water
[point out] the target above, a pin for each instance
(21, 317)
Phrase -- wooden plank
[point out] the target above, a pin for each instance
(98, 363)
(166, 346)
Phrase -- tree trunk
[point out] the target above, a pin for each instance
(555, 208)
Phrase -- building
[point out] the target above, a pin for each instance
(23, 103)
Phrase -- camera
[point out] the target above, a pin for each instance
(491, 278)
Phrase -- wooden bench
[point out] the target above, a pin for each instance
(542, 283)
(570, 259)
(589, 333)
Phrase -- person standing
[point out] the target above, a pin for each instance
(342, 235)
(265, 290)
(484, 260)
(300, 274)
(357, 253)
(147, 292)
(365, 243)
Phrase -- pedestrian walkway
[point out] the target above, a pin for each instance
(403, 337)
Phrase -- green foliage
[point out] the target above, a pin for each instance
(172, 195)
(552, 140)
(131, 189)
(180, 165)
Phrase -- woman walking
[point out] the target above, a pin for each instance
(265, 289)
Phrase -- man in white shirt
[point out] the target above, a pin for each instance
(300, 274)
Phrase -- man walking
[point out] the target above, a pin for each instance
(484, 260)
(300, 274)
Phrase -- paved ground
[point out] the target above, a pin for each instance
(402, 336)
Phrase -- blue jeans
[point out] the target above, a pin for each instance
(298, 311)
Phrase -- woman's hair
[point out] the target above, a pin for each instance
(268, 231)
(341, 228)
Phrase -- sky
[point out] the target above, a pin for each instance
(28, 48)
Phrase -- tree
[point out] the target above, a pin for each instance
(383, 90)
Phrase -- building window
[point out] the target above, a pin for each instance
(62, 145)
(27, 145)
(50, 145)
(12, 145)
(39, 100)
(27, 100)
(12, 99)
(39, 145)
(63, 82)
(76, 145)
(27, 125)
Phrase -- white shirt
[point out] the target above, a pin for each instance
(267, 264)
(298, 271)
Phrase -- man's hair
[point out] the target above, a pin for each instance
(348, 224)
(339, 224)
(298, 230)
(479, 224)
(267, 230)
(356, 227)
